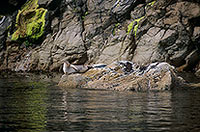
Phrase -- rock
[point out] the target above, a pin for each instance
(72, 81)
(122, 7)
(81, 31)
(125, 75)
(106, 31)
(5, 22)
(44, 3)
(30, 23)
(117, 48)
(157, 76)
(64, 44)
(190, 61)
(10, 6)
(163, 35)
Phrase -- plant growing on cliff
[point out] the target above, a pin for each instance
(151, 3)
(133, 26)
(86, 13)
(30, 22)
(115, 28)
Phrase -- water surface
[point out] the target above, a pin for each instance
(33, 103)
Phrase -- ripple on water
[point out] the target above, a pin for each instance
(31, 105)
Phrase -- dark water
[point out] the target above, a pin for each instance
(35, 104)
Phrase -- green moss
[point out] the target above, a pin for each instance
(86, 13)
(30, 22)
(137, 21)
(152, 3)
(135, 28)
(35, 29)
(115, 28)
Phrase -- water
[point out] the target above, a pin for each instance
(35, 104)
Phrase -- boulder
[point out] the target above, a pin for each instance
(157, 76)
(125, 75)
(72, 81)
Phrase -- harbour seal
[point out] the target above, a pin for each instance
(70, 68)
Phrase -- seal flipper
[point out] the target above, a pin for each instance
(74, 67)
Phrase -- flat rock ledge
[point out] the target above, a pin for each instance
(127, 76)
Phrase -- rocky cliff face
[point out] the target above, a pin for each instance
(103, 31)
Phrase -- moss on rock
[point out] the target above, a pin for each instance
(30, 22)
(133, 27)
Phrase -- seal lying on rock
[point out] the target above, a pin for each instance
(123, 75)
(70, 68)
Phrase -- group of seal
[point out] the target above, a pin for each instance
(127, 67)
(70, 68)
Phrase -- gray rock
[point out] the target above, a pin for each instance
(72, 81)
(5, 21)
(163, 35)
(125, 75)
(122, 7)
(96, 32)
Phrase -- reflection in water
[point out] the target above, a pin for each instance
(22, 106)
(116, 111)
(35, 106)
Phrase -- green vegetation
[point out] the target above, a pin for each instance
(27, 43)
(130, 26)
(32, 101)
(137, 21)
(86, 13)
(115, 28)
(30, 22)
(118, 3)
(151, 3)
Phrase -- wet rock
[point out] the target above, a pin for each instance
(157, 76)
(14, 58)
(125, 75)
(72, 81)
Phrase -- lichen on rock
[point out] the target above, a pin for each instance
(30, 22)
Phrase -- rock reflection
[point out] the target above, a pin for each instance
(29, 105)
(186, 107)
(101, 110)
(23, 108)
